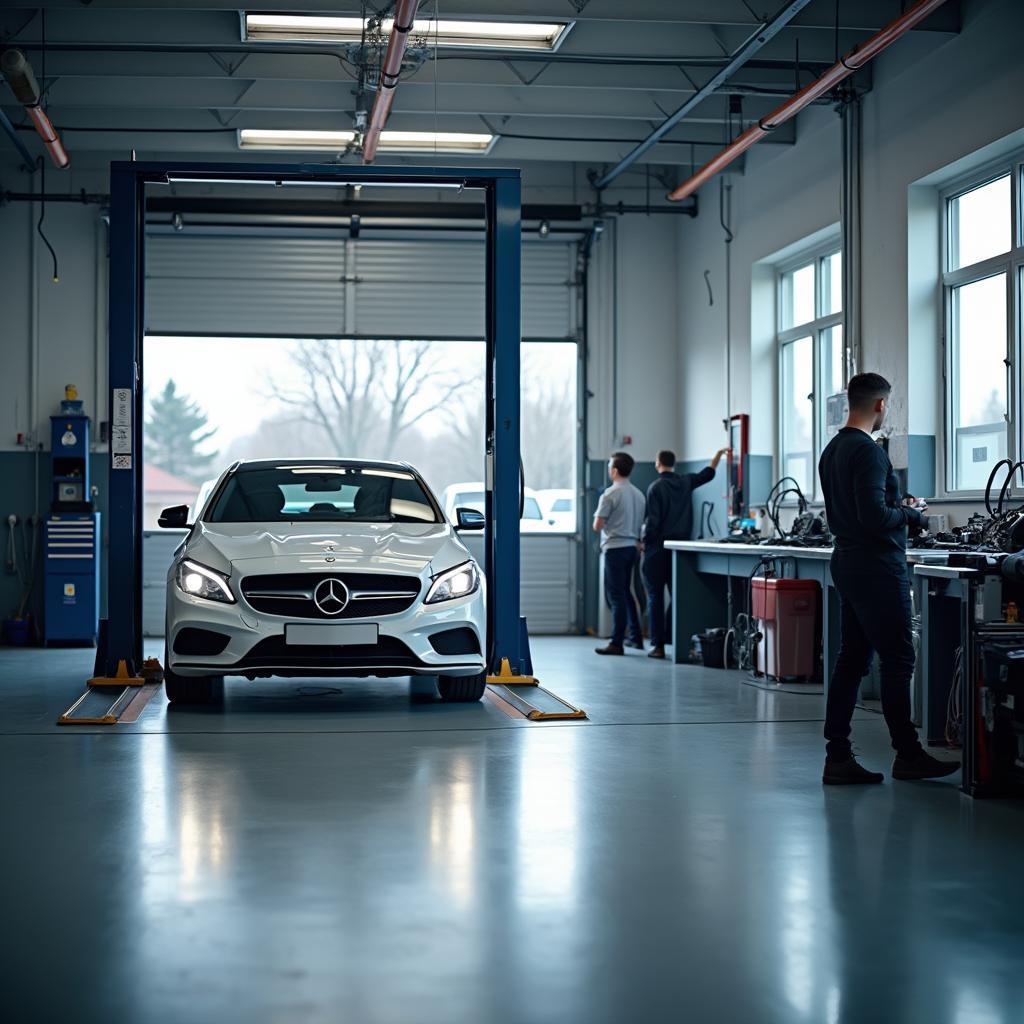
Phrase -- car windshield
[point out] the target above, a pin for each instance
(531, 509)
(333, 494)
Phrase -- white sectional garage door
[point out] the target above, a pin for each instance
(275, 284)
(283, 286)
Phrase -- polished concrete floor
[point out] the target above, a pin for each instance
(354, 853)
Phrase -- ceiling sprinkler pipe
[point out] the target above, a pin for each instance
(46, 131)
(405, 13)
(845, 67)
(18, 72)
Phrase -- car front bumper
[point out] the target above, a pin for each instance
(256, 641)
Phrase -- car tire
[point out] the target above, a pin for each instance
(208, 690)
(462, 689)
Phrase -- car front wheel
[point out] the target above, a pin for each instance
(192, 689)
(462, 689)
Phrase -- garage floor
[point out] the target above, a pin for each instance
(314, 855)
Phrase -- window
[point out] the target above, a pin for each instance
(982, 299)
(811, 360)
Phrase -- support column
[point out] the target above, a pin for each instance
(124, 565)
(503, 483)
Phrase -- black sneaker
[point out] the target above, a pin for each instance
(610, 649)
(922, 766)
(637, 645)
(848, 773)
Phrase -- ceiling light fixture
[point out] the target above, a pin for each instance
(312, 28)
(478, 143)
(319, 141)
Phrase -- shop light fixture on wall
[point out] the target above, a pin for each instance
(313, 28)
(390, 141)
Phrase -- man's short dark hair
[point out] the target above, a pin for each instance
(623, 463)
(865, 389)
(667, 458)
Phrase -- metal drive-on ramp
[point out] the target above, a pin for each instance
(524, 694)
(130, 695)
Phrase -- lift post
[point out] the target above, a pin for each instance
(121, 633)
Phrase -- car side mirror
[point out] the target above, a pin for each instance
(469, 519)
(174, 518)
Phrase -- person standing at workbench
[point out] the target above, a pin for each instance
(869, 520)
(669, 517)
(619, 517)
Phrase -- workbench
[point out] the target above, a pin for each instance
(700, 601)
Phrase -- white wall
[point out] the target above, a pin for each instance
(46, 325)
(933, 102)
(634, 351)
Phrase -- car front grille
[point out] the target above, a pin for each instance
(275, 651)
(371, 595)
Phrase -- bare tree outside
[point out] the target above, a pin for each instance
(365, 395)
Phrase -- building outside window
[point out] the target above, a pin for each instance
(983, 257)
(811, 360)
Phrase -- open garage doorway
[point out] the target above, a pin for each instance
(236, 367)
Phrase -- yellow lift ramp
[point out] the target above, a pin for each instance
(131, 695)
(529, 698)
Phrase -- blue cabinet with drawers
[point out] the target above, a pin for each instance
(71, 554)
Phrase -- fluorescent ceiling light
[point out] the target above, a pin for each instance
(390, 141)
(431, 142)
(259, 138)
(515, 35)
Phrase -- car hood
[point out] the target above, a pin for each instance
(281, 547)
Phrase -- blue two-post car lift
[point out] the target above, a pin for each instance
(120, 650)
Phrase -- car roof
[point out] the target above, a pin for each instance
(244, 465)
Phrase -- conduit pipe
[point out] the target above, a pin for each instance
(405, 13)
(18, 72)
(846, 66)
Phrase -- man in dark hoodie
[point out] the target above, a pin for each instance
(669, 517)
(869, 520)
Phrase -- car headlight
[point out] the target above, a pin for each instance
(198, 581)
(464, 579)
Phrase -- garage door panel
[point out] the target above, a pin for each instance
(285, 308)
(286, 286)
(421, 309)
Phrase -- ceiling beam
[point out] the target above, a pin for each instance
(761, 38)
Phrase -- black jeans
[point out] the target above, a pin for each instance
(619, 564)
(657, 570)
(875, 613)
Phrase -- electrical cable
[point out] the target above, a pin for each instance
(954, 706)
(41, 164)
(991, 479)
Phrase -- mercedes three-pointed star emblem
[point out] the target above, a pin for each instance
(331, 596)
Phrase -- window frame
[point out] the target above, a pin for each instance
(1011, 264)
(817, 329)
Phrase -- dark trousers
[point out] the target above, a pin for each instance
(619, 564)
(657, 571)
(875, 614)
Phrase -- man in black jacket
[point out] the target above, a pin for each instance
(869, 520)
(669, 517)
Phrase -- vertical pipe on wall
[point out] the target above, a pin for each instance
(100, 328)
(615, 332)
(33, 332)
(850, 218)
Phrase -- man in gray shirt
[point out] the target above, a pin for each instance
(619, 518)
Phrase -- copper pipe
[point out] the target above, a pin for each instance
(846, 66)
(405, 13)
(22, 80)
(46, 131)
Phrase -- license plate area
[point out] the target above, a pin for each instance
(331, 634)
